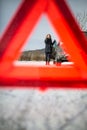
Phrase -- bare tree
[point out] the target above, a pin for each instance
(82, 20)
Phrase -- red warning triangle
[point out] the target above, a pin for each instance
(18, 31)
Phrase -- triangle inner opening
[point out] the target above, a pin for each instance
(34, 47)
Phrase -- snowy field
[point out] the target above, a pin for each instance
(38, 63)
(50, 110)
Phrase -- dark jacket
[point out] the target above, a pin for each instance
(48, 45)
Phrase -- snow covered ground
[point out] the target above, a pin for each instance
(38, 63)
(54, 109)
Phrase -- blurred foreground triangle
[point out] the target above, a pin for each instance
(21, 27)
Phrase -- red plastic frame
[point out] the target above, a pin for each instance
(18, 31)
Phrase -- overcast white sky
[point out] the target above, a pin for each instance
(8, 7)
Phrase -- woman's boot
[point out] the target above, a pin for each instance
(47, 62)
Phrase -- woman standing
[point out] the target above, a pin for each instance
(48, 48)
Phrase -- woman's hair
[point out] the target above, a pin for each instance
(48, 36)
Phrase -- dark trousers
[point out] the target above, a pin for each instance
(47, 56)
